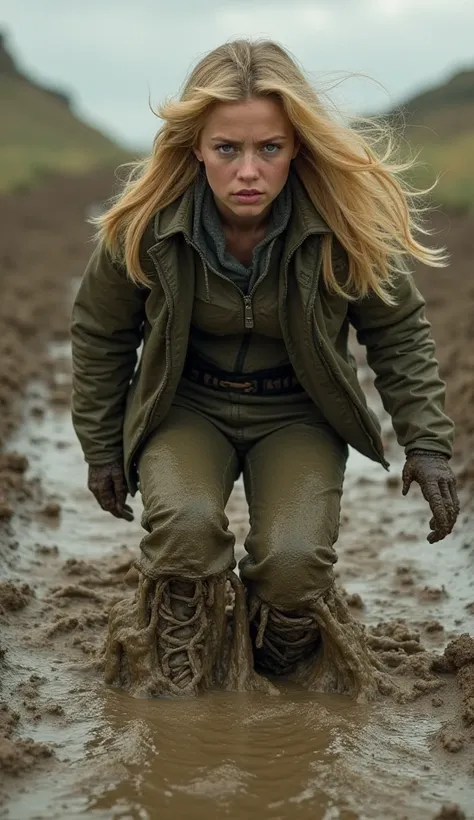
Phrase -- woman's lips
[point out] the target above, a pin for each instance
(248, 197)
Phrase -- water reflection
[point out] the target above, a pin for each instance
(241, 756)
(236, 756)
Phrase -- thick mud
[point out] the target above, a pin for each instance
(72, 746)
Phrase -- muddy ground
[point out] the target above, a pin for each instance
(72, 747)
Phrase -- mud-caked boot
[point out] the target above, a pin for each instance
(180, 637)
(325, 649)
(281, 640)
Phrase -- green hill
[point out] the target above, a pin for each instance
(40, 134)
(439, 124)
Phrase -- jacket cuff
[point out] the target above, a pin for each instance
(99, 461)
(427, 451)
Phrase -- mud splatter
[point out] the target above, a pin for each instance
(51, 509)
(14, 596)
(18, 755)
(432, 593)
(458, 658)
(450, 811)
(354, 600)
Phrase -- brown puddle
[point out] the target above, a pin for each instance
(232, 756)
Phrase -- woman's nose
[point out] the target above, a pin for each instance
(248, 167)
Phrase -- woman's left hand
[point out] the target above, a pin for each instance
(438, 485)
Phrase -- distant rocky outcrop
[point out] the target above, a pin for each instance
(8, 67)
(41, 133)
(7, 63)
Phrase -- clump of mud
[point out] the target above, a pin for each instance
(13, 466)
(352, 599)
(450, 811)
(458, 658)
(18, 755)
(14, 597)
(51, 509)
(13, 462)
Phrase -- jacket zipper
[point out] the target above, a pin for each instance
(248, 313)
(248, 310)
(249, 319)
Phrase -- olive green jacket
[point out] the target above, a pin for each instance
(117, 403)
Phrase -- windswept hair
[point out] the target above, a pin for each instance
(348, 170)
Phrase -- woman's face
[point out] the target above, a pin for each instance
(247, 149)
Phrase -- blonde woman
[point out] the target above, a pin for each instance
(239, 253)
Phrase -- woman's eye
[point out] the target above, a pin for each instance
(272, 148)
(223, 149)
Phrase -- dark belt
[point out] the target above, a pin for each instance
(275, 381)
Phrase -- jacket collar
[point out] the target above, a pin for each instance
(176, 217)
(304, 220)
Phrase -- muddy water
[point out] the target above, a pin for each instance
(234, 756)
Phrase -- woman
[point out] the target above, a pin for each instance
(256, 233)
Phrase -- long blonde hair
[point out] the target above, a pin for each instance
(348, 171)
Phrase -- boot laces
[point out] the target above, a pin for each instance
(183, 624)
(284, 639)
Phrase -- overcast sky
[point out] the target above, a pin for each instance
(112, 54)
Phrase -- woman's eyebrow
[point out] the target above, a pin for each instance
(228, 141)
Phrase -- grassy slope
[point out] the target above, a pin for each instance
(40, 134)
(439, 124)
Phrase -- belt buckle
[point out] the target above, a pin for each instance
(246, 387)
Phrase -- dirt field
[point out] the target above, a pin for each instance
(72, 747)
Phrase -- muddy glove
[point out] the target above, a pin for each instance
(438, 485)
(107, 483)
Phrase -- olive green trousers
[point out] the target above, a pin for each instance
(293, 477)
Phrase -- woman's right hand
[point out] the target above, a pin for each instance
(108, 484)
